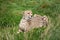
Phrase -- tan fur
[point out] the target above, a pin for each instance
(33, 22)
(25, 21)
(38, 21)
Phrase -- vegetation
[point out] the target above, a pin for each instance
(11, 13)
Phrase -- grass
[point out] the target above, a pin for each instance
(10, 15)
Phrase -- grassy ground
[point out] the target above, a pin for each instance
(10, 15)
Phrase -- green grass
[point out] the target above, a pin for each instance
(10, 15)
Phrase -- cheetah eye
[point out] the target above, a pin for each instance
(28, 13)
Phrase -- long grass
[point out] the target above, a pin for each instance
(11, 14)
